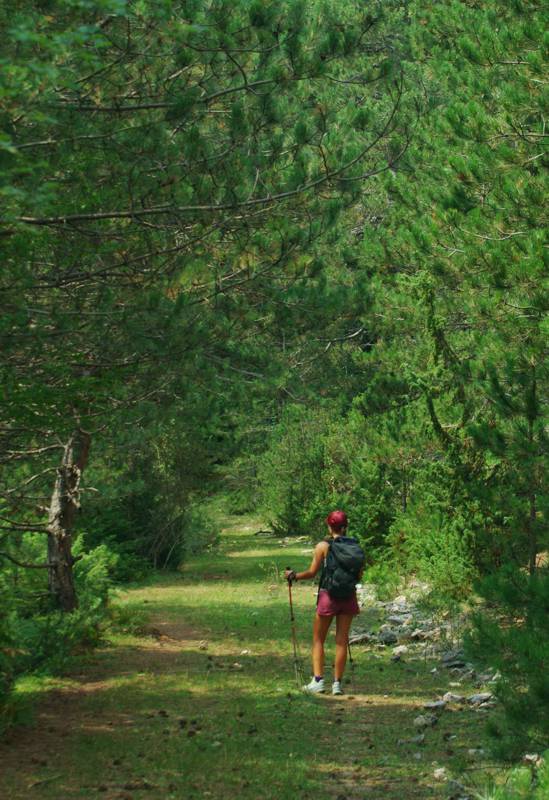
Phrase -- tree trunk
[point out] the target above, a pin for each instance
(63, 507)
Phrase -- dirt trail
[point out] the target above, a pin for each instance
(62, 710)
(203, 704)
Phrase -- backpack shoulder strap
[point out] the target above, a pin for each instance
(332, 550)
(338, 561)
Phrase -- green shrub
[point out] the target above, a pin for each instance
(150, 483)
(521, 783)
(93, 574)
(241, 501)
(361, 479)
(34, 638)
(48, 638)
(199, 532)
(438, 549)
(115, 523)
(126, 619)
(384, 576)
(401, 501)
(292, 494)
(512, 635)
(239, 481)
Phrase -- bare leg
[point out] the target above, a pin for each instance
(343, 624)
(320, 631)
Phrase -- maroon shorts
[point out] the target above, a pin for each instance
(329, 606)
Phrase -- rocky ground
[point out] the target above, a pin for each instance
(413, 634)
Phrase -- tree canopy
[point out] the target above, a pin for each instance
(292, 252)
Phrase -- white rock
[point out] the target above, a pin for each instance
(362, 638)
(476, 751)
(435, 705)
(532, 758)
(481, 697)
(432, 633)
(400, 600)
(453, 659)
(450, 697)
(400, 650)
(425, 721)
(395, 619)
(440, 774)
(388, 637)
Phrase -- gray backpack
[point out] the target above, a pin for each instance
(342, 567)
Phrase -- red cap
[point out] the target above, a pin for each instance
(337, 520)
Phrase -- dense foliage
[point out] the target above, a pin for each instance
(289, 251)
(440, 456)
(166, 173)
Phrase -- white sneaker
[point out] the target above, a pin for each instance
(314, 687)
(336, 687)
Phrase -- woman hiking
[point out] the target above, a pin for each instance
(342, 561)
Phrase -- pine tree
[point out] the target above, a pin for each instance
(466, 245)
(157, 164)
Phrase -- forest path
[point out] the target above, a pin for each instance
(203, 703)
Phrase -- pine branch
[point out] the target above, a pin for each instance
(439, 430)
(34, 566)
(23, 563)
(212, 208)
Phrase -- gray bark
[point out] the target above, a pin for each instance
(65, 502)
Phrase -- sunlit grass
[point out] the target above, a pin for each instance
(203, 702)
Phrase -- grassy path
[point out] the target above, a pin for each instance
(203, 704)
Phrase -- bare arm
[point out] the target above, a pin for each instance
(318, 557)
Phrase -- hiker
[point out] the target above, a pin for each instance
(342, 561)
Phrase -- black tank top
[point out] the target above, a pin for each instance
(328, 540)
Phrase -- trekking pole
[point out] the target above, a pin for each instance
(351, 662)
(297, 665)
